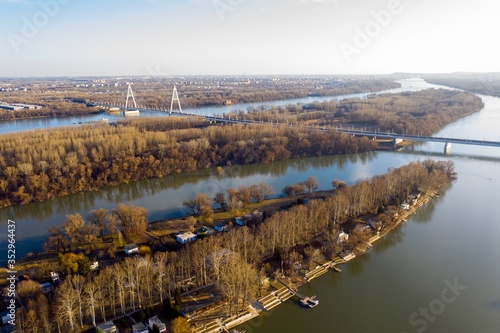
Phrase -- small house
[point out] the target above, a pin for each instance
(54, 276)
(204, 231)
(131, 249)
(239, 221)
(185, 237)
(154, 321)
(139, 328)
(47, 288)
(405, 206)
(372, 223)
(107, 327)
(220, 226)
(94, 266)
(343, 237)
(258, 213)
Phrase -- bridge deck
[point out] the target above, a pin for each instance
(387, 135)
(421, 138)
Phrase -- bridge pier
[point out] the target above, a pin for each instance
(395, 141)
(447, 148)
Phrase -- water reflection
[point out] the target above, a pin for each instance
(424, 213)
(391, 239)
(355, 266)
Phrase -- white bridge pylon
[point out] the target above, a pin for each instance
(175, 97)
(130, 93)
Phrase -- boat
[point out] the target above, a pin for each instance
(309, 302)
(131, 113)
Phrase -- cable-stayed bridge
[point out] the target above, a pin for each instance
(395, 137)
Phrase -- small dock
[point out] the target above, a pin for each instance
(309, 302)
(304, 300)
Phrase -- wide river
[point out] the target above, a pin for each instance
(439, 272)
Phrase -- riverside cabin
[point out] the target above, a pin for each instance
(139, 328)
(185, 237)
(220, 226)
(131, 249)
(343, 237)
(108, 327)
(154, 321)
(47, 288)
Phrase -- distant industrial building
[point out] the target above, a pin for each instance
(18, 106)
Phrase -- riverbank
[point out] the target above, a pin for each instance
(285, 291)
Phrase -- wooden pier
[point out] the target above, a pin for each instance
(304, 300)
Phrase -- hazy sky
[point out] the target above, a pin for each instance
(174, 37)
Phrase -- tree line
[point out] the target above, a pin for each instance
(235, 262)
(44, 164)
(201, 204)
(420, 112)
(126, 224)
(193, 95)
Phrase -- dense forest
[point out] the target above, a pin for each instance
(421, 112)
(481, 83)
(43, 164)
(235, 262)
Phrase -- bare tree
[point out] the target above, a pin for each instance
(134, 221)
(91, 299)
(98, 217)
(56, 240)
(294, 190)
(261, 192)
(220, 199)
(201, 202)
(78, 282)
(73, 227)
(244, 195)
(312, 184)
(338, 184)
(66, 306)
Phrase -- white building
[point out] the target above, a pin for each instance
(185, 237)
(131, 249)
(154, 321)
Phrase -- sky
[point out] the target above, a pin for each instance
(252, 37)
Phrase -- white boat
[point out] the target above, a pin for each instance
(131, 113)
(309, 302)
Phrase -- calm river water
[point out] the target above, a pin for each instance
(402, 284)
